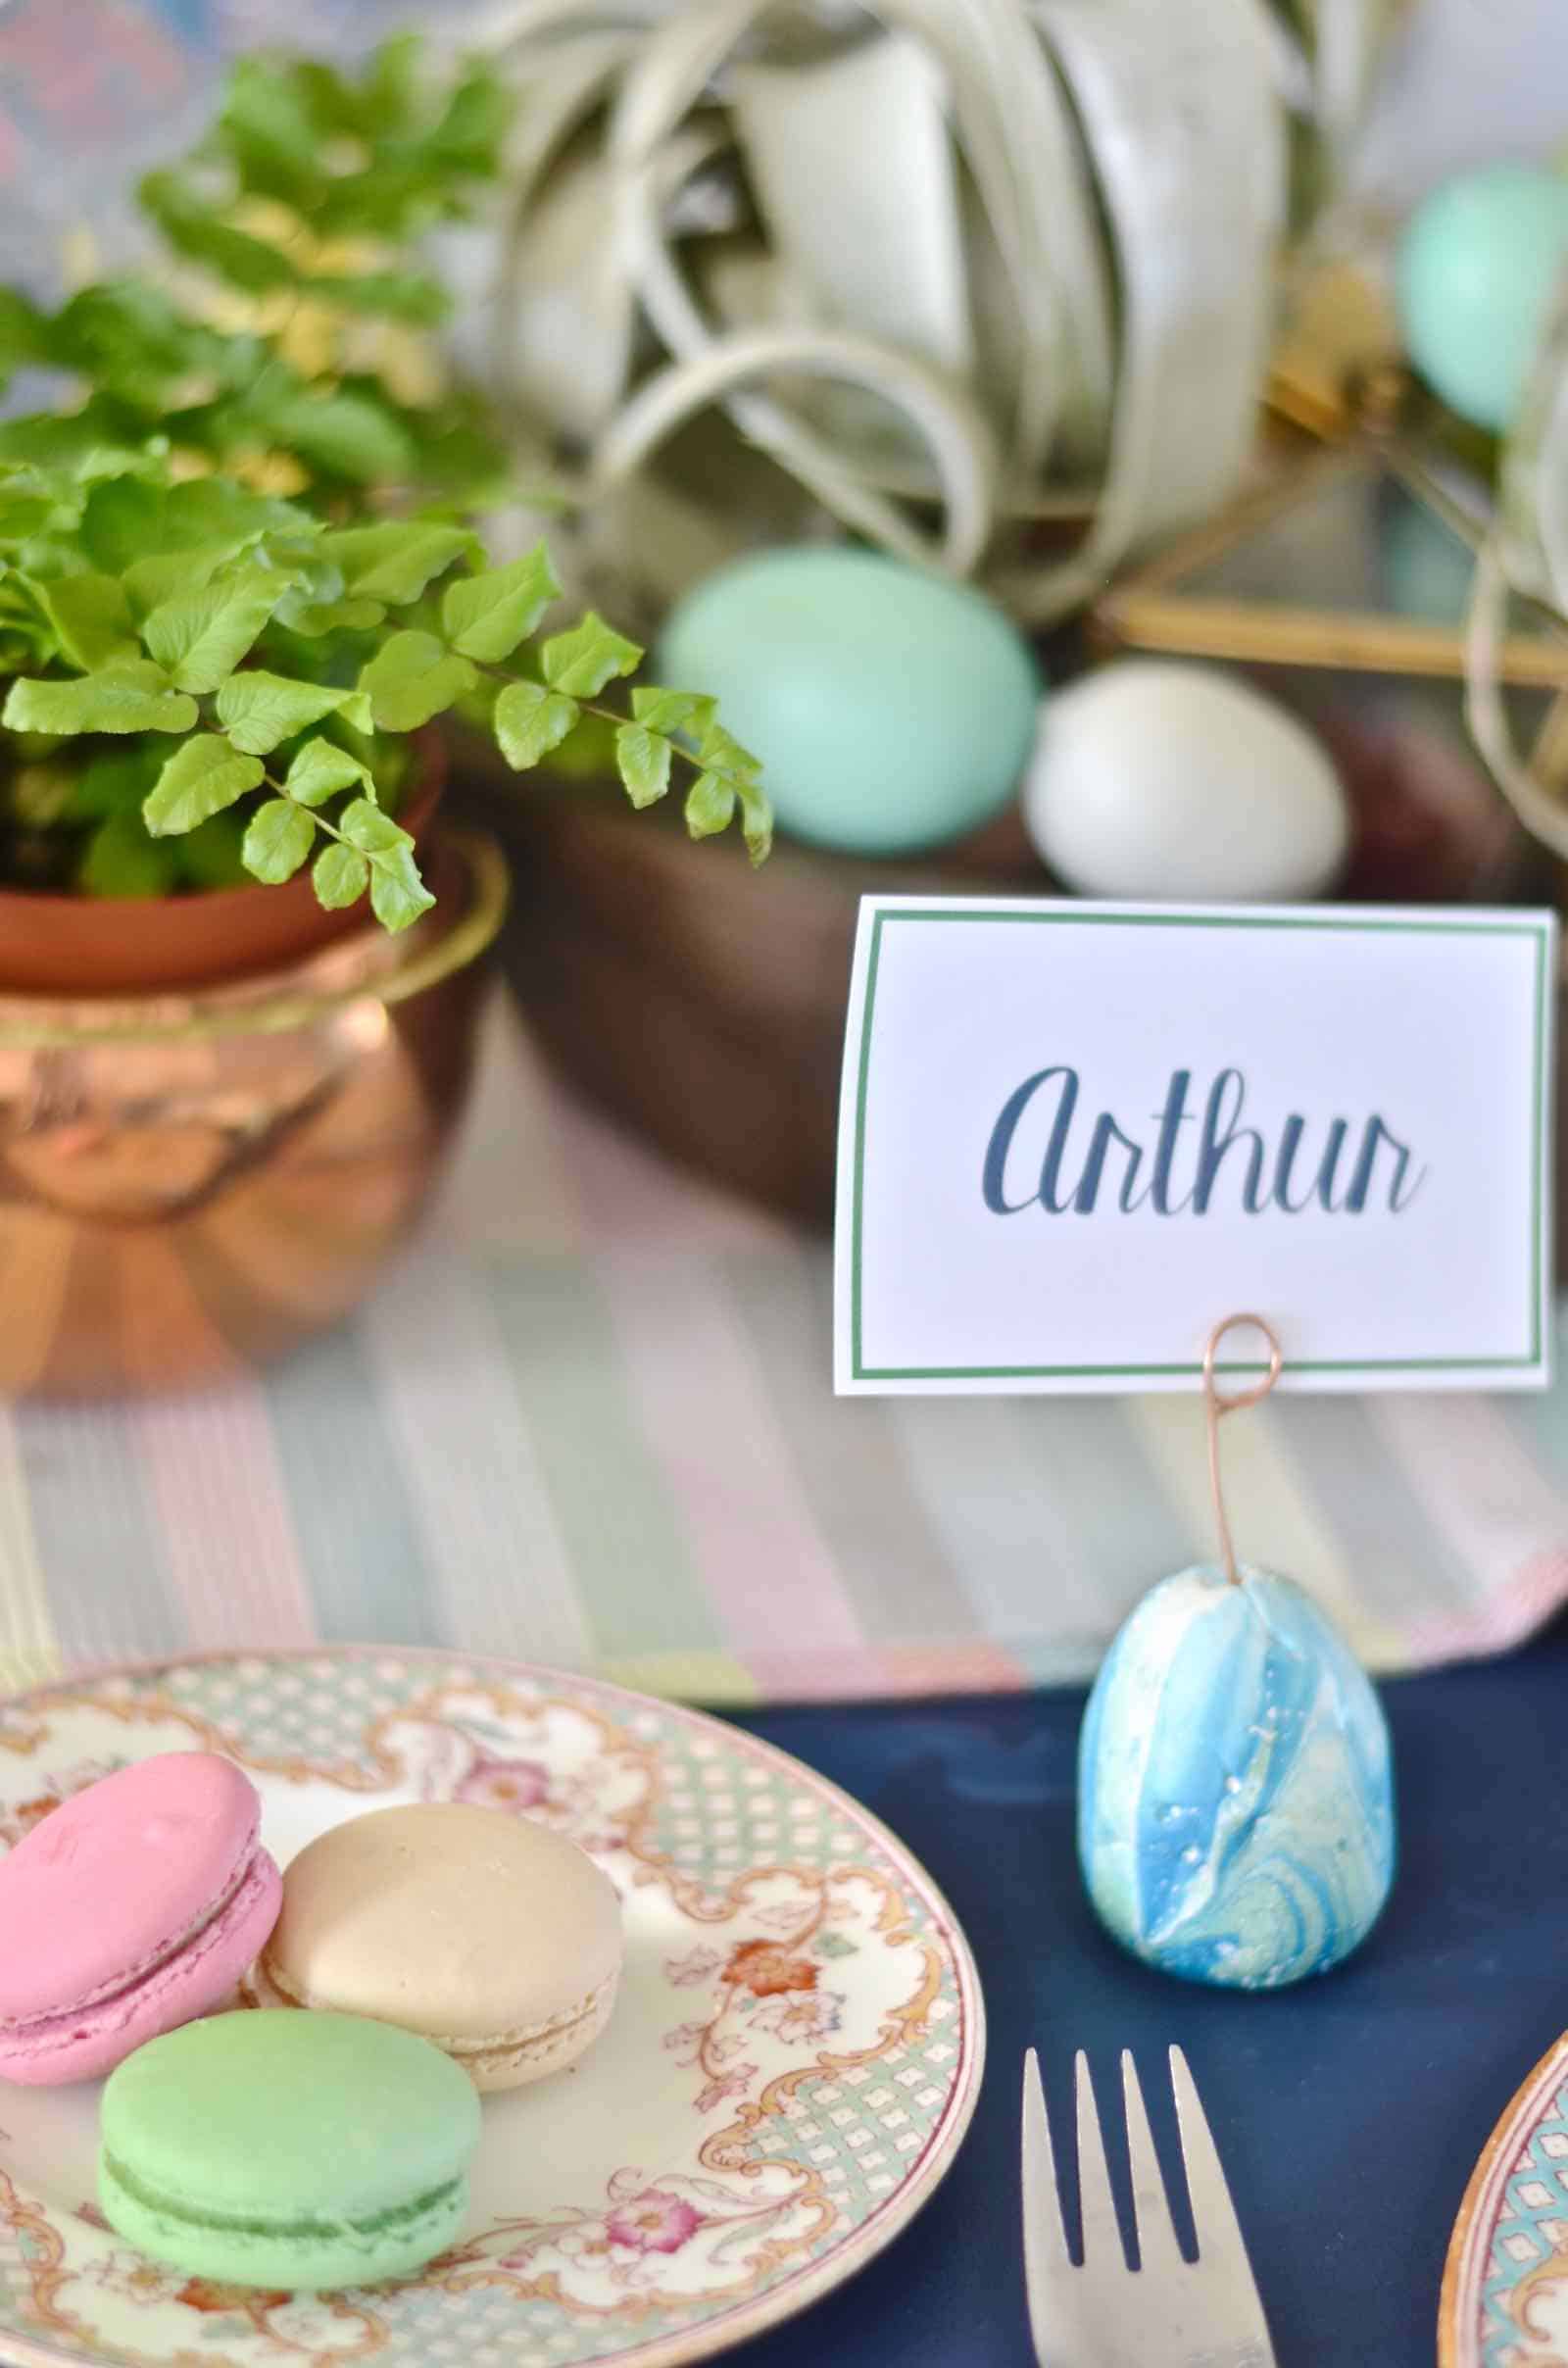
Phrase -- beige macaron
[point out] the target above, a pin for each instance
(482, 1931)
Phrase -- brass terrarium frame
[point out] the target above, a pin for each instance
(1149, 609)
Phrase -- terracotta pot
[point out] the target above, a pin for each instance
(85, 944)
(192, 1183)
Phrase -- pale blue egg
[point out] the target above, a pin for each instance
(1235, 1786)
(1474, 278)
(892, 708)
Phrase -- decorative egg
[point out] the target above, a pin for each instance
(1235, 1790)
(1474, 279)
(1155, 779)
(892, 708)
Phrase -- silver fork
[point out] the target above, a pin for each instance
(1105, 2314)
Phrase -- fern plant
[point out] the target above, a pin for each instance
(238, 570)
(284, 338)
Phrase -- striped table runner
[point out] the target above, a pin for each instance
(590, 1421)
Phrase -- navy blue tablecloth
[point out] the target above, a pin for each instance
(1348, 2112)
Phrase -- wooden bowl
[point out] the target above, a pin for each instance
(704, 1004)
(697, 1001)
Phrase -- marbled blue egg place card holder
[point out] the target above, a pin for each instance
(1074, 1137)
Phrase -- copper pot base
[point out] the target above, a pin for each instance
(190, 1185)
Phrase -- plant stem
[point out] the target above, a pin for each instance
(282, 789)
(588, 707)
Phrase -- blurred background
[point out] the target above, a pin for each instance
(1462, 82)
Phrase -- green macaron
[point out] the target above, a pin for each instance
(288, 2151)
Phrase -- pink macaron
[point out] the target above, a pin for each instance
(135, 1906)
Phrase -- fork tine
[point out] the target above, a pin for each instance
(1045, 2234)
(1215, 2221)
(1047, 2262)
(1157, 2248)
(1100, 2224)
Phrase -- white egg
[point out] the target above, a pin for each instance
(1179, 783)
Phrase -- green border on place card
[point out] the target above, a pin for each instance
(1539, 928)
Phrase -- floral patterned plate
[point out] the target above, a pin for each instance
(792, 2064)
(1506, 2287)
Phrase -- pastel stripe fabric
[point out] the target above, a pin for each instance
(589, 1420)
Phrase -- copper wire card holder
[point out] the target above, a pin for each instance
(1217, 1405)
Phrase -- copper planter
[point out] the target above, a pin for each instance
(192, 1183)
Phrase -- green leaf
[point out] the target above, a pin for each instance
(151, 581)
(465, 464)
(205, 510)
(192, 226)
(201, 778)
(412, 677)
(398, 895)
(273, 132)
(25, 576)
(129, 339)
(340, 877)
(366, 826)
(121, 859)
(23, 513)
(756, 822)
(121, 521)
(92, 618)
(710, 804)
(317, 619)
(126, 523)
(341, 436)
(314, 581)
(74, 441)
(466, 139)
(397, 295)
(258, 710)
(278, 840)
(320, 770)
(719, 753)
(395, 560)
(25, 334)
(486, 615)
(389, 198)
(530, 721)
(642, 757)
(332, 104)
(390, 89)
(147, 458)
(132, 697)
(201, 636)
(673, 711)
(581, 661)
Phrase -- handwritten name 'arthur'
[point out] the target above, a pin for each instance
(1339, 1166)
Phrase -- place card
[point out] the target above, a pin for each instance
(1074, 1137)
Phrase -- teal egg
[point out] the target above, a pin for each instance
(1235, 1785)
(1474, 278)
(892, 708)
